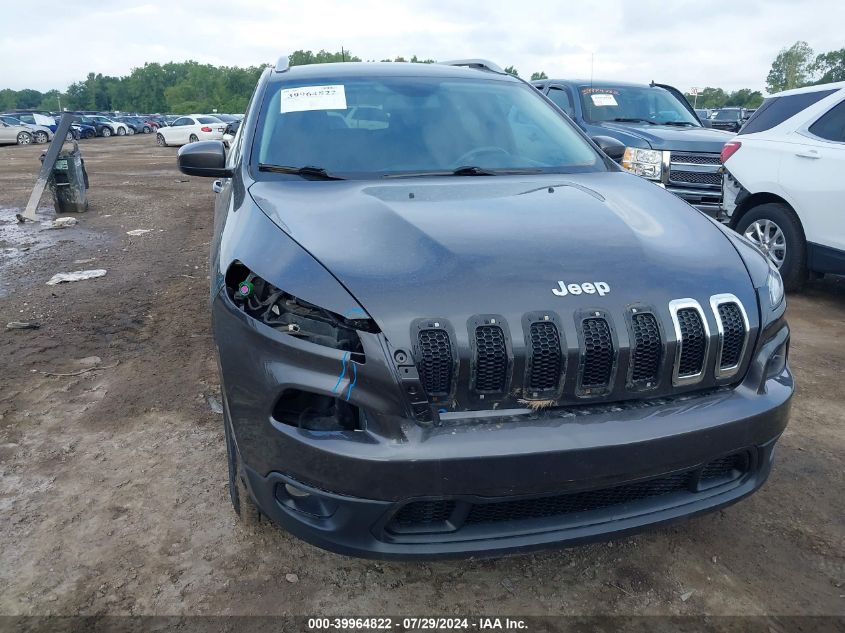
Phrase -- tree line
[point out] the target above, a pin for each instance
(193, 87)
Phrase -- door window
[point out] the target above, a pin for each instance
(562, 100)
(776, 110)
(831, 125)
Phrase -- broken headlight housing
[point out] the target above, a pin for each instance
(647, 163)
(266, 303)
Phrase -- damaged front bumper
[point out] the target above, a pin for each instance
(387, 486)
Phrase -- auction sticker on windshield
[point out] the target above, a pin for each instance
(313, 98)
(603, 100)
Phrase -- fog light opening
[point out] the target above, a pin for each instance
(316, 412)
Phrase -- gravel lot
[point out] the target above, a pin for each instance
(113, 481)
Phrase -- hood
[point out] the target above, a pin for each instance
(669, 137)
(455, 248)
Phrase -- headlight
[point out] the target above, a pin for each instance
(264, 302)
(647, 163)
(775, 285)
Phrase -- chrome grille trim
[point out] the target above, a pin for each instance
(715, 302)
(674, 306)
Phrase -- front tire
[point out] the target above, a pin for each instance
(776, 229)
(245, 508)
(130, 131)
(147, 129)
(41, 137)
(106, 132)
(24, 138)
(121, 131)
(160, 141)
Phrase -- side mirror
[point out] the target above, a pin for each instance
(204, 158)
(610, 146)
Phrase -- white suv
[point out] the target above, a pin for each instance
(784, 181)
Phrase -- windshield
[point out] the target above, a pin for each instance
(374, 127)
(634, 104)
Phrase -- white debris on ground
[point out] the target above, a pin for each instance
(79, 275)
(135, 232)
(22, 325)
(214, 405)
(60, 223)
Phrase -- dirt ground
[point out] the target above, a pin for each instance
(113, 481)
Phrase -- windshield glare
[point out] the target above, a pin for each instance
(407, 125)
(635, 103)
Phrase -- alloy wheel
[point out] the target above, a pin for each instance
(769, 237)
(24, 138)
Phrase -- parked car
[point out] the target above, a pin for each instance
(135, 125)
(113, 126)
(83, 130)
(15, 134)
(40, 133)
(470, 331)
(664, 140)
(728, 119)
(30, 117)
(703, 116)
(785, 181)
(190, 129)
(230, 132)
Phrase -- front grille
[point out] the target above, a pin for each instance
(598, 354)
(491, 359)
(725, 467)
(546, 361)
(648, 348)
(435, 362)
(421, 514)
(432, 515)
(695, 177)
(733, 335)
(693, 342)
(696, 159)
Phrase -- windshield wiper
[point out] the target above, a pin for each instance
(466, 170)
(680, 123)
(307, 171)
(632, 120)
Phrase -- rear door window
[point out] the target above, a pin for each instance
(831, 125)
(776, 110)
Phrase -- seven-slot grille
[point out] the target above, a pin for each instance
(693, 342)
(546, 354)
(546, 359)
(648, 348)
(492, 359)
(435, 362)
(598, 354)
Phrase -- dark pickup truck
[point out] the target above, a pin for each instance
(664, 139)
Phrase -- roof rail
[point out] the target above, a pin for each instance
(283, 65)
(479, 64)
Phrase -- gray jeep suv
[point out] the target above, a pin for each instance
(448, 324)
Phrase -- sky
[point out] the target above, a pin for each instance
(727, 44)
